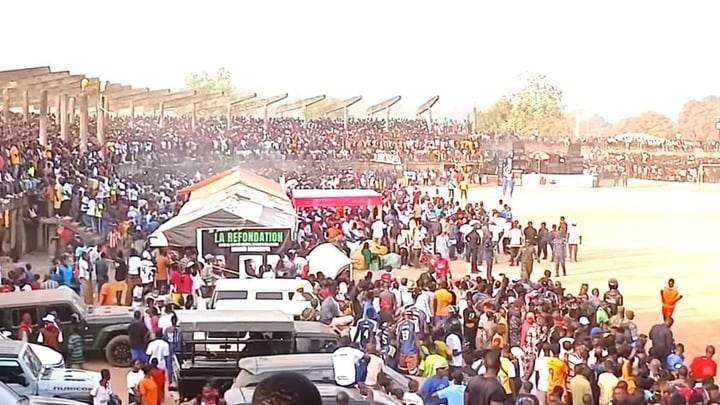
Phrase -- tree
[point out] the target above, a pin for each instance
(496, 118)
(699, 117)
(537, 106)
(205, 83)
(649, 122)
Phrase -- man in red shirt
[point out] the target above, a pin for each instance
(704, 366)
(442, 267)
(387, 276)
(182, 281)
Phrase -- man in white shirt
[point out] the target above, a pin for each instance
(85, 273)
(378, 228)
(147, 270)
(84, 201)
(374, 366)
(455, 344)
(159, 349)
(412, 397)
(133, 378)
(424, 302)
(133, 196)
(134, 263)
(574, 238)
(165, 320)
(344, 360)
(542, 377)
(516, 242)
(89, 213)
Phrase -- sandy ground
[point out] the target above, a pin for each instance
(642, 235)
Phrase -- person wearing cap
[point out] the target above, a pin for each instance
(50, 334)
(300, 293)
(436, 382)
(453, 394)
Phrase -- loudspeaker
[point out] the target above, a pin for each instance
(574, 159)
(518, 147)
(519, 163)
(574, 149)
(575, 168)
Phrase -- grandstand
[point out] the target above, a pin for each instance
(71, 96)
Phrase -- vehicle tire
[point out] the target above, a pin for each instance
(117, 351)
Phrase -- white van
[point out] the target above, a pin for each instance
(258, 294)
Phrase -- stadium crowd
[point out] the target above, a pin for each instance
(522, 339)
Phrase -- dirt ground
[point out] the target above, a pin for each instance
(642, 235)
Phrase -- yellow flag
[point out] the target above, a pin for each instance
(84, 84)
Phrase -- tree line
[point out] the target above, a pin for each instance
(537, 108)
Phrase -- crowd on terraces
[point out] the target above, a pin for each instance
(317, 153)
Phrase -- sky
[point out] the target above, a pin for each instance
(613, 58)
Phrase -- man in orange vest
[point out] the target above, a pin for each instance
(669, 296)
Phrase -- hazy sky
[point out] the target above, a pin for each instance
(616, 58)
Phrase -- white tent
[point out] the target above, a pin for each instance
(329, 260)
(636, 136)
(230, 212)
(197, 201)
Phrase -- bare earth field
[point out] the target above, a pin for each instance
(642, 236)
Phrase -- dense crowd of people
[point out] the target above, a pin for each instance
(476, 339)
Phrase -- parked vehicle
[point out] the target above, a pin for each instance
(261, 294)
(214, 341)
(328, 393)
(9, 396)
(21, 370)
(48, 357)
(104, 329)
(317, 367)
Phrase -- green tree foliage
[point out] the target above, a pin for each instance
(205, 83)
(316, 110)
(496, 118)
(649, 122)
(699, 117)
(537, 106)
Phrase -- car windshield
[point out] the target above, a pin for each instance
(32, 360)
(79, 304)
(9, 396)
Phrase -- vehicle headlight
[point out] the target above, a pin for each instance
(199, 336)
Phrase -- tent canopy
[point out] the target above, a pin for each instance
(335, 198)
(231, 177)
(328, 259)
(231, 212)
(238, 191)
(636, 136)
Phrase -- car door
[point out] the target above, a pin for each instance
(14, 376)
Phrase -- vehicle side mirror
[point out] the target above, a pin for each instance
(22, 380)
